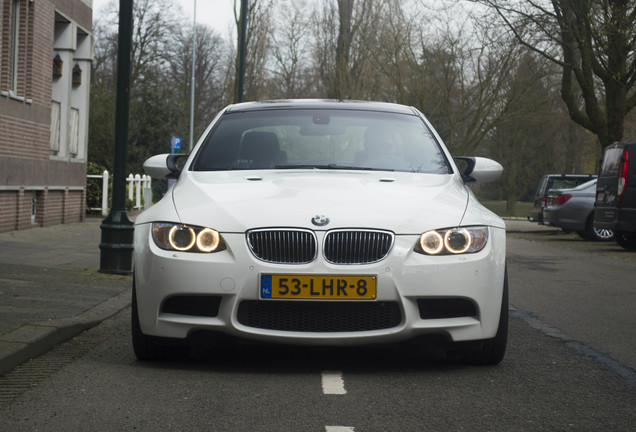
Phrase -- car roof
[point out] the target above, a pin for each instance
(322, 104)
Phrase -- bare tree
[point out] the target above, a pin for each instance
(290, 49)
(457, 77)
(153, 107)
(151, 32)
(344, 32)
(535, 134)
(463, 73)
(594, 44)
(209, 76)
(393, 57)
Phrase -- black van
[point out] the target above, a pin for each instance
(615, 206)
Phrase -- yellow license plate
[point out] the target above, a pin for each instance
(340, 287)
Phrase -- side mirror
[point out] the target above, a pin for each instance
(478, 169)
(165, 165)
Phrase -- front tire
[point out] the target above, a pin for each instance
(493, 350)
(145, 347)
(626, 240)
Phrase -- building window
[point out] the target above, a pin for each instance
(56, 112)
(73, 130)
(34, 207)
(15, 42)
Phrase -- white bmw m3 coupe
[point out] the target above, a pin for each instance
(321, 223)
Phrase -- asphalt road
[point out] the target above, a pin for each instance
(583, 296)
(569, 367)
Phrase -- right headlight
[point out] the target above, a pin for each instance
(452, 241)
(186, 238)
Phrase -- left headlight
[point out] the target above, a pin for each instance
(452, 241)
(186, 238)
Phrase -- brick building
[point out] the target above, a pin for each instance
(46, 49)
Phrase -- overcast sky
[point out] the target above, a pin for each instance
(217, 14)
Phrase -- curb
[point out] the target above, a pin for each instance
(32, 340)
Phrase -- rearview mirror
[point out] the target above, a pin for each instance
(322, 129)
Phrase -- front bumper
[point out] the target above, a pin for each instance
(457, 297)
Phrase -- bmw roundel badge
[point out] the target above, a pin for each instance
(320, 220)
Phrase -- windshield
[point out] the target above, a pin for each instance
(321, 139)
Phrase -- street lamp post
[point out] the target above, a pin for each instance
(242, 42)
(117, 229)
(194, 56)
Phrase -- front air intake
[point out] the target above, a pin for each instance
(319, 316)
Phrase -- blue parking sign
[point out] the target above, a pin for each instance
(175, 143)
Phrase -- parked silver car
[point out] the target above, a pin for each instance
(573, 210)
(554, 181)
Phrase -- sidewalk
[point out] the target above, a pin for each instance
(516, 225)
(51, 289)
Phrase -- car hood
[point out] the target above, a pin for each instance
(235, 201)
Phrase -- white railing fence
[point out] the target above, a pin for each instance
(138, 187)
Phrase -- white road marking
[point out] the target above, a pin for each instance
(332, 383)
